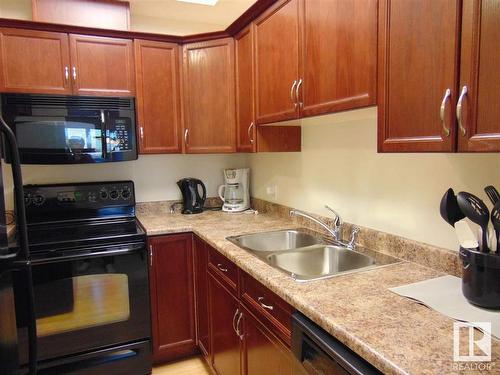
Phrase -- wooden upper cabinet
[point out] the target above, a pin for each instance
(277, 63)
(172, 296)
(208, 94)
(245, 119)
(34, 62)
(479, 128)
(102, 66)
(339, 55)
(418, 64)
(158, 97)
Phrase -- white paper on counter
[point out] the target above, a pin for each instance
(444, 294)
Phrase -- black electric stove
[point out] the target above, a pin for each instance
(90, 273)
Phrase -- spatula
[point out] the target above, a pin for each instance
(449, 209)
(495, 219)
(475, 209)
(492, 194)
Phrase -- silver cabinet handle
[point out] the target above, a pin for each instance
(240, 335)
(297, 92)
(66, 73)
(294, 101)
(447, 95)
(186, 135)
(151, 255)
(141, 130)
(267, 307)
(221, 268)
(74, 73)
(250, 133)
(234, 321)
(463, 94)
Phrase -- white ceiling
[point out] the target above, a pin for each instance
(180, 18)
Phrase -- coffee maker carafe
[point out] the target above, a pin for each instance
(235, 192)
(192, 201)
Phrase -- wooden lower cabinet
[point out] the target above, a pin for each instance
(172, 296)
(225, 342)
(194, 306)
(201, 293)
(263, 352)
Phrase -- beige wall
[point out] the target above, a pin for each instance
(18, 9)
(395, 193)
(155, 176)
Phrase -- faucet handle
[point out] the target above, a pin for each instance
(338, 220)
(354, 236)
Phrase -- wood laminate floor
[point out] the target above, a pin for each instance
(189, 366)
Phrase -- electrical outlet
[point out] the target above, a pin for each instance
(272, 191)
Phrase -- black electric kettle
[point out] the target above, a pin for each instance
(192, 202)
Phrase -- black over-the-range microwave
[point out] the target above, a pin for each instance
(54, 129)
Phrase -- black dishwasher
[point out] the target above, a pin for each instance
(319, 353)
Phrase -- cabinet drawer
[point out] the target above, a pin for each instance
(222, 267)
(275, 313)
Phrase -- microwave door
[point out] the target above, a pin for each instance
(60, 141)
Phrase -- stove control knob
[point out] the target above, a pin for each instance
(92, 197)
(126, 193)
(103, 194)
(38, 199)
(114, 195)
(27, 199)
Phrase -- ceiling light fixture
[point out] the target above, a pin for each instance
(200, 2)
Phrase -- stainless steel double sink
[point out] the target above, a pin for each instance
(303, 256)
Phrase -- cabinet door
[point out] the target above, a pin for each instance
(245, 121)
(209, 103)
(224, 312)
(158, 98)
(34, 62)
(339, 55)
(102, 66)
(201, 293)
(276, 63)
(479, 128)
(172, 297)
(418, 41)
(263, 353)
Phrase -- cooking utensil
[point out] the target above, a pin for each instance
(475, 209)
(449, 209)
(466, 237)
(492, 194)
(495, 219)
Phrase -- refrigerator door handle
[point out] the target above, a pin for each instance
(22, 230)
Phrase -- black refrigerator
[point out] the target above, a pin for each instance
(14, 261)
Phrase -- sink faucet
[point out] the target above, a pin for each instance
(335, 230)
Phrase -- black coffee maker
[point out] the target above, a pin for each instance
(192, 201)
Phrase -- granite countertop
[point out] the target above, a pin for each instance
(395, 334)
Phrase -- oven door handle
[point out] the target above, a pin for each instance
(91, 254)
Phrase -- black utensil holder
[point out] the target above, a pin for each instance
(481, 278)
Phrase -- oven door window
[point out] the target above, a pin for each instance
(86, 303)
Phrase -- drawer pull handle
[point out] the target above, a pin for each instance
(221, 268)
(268, 307)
